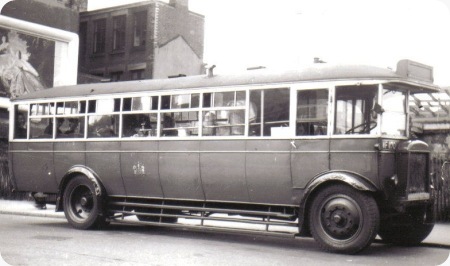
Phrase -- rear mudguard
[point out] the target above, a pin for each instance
(75, 170)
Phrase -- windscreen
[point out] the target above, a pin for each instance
(393, 118)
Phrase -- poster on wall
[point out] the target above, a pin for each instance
(26, 63)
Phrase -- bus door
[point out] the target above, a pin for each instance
(356, 125)
(140, 170)
(311, 145)
(34, 159)
(267, 160)
(179, 169)
(223, 170)
(33, 163)
(222, 153)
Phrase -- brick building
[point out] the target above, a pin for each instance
(144, 40)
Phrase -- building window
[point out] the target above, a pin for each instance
(137, 74)
(139, 29)
(99, 35)
(83, 38)
(116, 76)
(118, 33)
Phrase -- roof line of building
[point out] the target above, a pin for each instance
(184, 39)
(137, 4)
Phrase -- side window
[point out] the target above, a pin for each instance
(103, 123)
(269, 112)
(103, 126)
(71, 127)
(312, 112)
(70, 119)
(181, 124)
(41, 128)
(179, 120)
(224, 114)
(139, 123)
(21, 118)
(41, 122)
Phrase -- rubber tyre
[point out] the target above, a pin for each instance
(343, 220)
(82, 208)
(406, 234)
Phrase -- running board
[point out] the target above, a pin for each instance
(231, 217)
(203, 228)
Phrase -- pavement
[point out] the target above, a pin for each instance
(27, 208)
(440, 236)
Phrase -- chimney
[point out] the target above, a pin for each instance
(317, 60)
(179, 3)
(209, 71)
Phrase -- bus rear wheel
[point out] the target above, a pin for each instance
(343, 219)
(82, 207)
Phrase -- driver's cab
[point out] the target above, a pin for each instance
(378, 109)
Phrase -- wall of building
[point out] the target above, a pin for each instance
(125, 60)
(176, 57)
(165, 22)
(176, 20)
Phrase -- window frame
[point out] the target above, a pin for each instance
(99, 36)
(139, 35)
(119, 33)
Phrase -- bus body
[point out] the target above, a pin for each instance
(324, 151)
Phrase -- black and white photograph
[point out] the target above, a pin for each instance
(225, 132)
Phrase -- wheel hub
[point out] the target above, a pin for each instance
(83, 201)
(340, 218)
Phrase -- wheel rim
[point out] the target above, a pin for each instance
(341, 217)
(81, 202)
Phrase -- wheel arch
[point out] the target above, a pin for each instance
(351, 179)
(71, 173)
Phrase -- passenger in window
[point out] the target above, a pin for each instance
(49, 129)
(73, 125)
(209, 121)
(107, 130)
(169, 126)
(302, 130)
(137, 126)
(21, 128)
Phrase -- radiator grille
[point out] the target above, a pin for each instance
(418, 178)
(412, 173)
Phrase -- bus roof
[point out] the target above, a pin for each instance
(314, 73)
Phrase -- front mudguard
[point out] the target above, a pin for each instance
(351, 179)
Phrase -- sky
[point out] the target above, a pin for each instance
(289, 34)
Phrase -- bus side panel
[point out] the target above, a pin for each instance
(103, 157)
(268, 171)
(179, 169)
(140, 170)
(33, 167)
(309, 158)
(222, 165)
(68, 154)
(355, 155)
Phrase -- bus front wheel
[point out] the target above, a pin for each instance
(343, 219)
(82, 207)
(408, 230)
